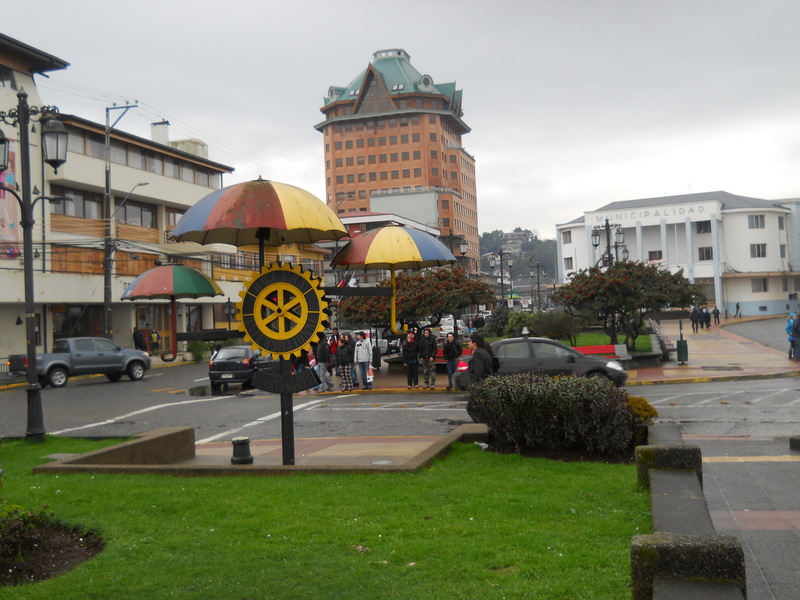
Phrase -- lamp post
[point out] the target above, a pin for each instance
(108, 253)
(54, 150)
(537, 268)
(497, 259)
(619, 242)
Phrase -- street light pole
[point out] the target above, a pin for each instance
(54, 147)
(108, 258)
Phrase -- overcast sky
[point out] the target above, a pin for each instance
(572, 104)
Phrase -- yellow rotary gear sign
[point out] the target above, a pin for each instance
(283, 309)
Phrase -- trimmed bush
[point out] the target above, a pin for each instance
(531, 412)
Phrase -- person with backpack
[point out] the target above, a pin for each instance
(483, 360)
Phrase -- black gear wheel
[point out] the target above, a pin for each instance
(283, 309)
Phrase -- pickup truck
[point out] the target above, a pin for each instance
(84, 356)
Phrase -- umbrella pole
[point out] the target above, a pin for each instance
(287, 415)
(394, 310)
(174, 325)
(262, 235)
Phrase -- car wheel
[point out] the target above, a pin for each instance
(114, 376)
(57, 377)
(596, 374)
(136, 371)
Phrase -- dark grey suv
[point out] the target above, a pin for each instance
(547, 357)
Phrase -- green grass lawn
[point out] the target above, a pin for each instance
(643, 342)
(474, 525)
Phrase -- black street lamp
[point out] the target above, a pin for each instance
(619, 242)
(497, 260)
(54, 150)
(537, 268)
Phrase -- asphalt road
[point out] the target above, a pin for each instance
(180, 396)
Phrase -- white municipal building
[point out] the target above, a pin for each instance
(738, 249)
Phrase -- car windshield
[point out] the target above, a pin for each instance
(231, 353)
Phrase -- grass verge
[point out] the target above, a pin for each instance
(475, 525)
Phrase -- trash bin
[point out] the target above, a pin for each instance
(682, 351)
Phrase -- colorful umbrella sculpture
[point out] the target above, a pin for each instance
(393, 248)
(259, 212)
(170, 282)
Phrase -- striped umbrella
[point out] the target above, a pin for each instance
(170, 282)
(394, 248)
(259, 212)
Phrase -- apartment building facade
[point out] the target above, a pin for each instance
(393, 144)
(152, 183)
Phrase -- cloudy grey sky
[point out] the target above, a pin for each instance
(572, 103)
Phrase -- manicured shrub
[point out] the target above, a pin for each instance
(643, 410)
(530, 412)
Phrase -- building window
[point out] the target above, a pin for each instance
(432, 137)
(755, 221)
(655, 255)
(759, 284)
(566, 237)
(137, 213)
(781, 223)
(758, 250)
(783, 250)
(705, 253)
(6, 79)
(568, 263)
(704, 227)
(76, 203)
(445, 203)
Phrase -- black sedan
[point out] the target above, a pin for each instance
(547, 357)
(236, 365)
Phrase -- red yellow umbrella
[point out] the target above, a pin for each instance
(394, 248)
(259, 212)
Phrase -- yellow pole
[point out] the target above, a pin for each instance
(393, 324)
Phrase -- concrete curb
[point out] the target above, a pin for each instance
(684, 557)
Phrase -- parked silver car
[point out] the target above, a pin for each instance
(546, 357)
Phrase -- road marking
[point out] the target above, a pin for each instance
(742, 459)
(258, 421)
(139, 412)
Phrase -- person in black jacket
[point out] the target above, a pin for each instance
(452, 350)
(427, 357)
(324, 358)
(411, 361)
(482, 364)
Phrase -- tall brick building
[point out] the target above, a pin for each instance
(393, 143)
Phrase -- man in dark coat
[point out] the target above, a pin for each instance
(427, 357)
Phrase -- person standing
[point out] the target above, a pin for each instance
(694, 317)
(427, 356)
(324, 358)
(155, 340)
(707, 318)
(345, 357)
(715, 312)
(482, 364)
(452, 350)
(790, 334)
(334, 345)
(138, 339)
(411, 361)
(738, 312)
(363, 357)
(796, 336)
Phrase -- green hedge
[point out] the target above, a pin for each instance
(555, 413)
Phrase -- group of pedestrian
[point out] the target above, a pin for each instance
(139, 339)
(349, 359)
(701, 318)
(422, 351)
